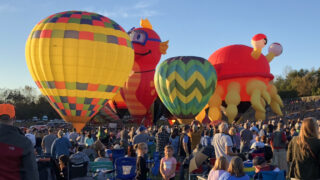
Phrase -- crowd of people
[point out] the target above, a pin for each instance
(291, 147)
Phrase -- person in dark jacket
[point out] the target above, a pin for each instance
(304, 152)
(142, 169)
(60, 146)
(17, 158)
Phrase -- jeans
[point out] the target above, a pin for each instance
(183, 166)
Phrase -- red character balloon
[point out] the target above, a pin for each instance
(139, 91)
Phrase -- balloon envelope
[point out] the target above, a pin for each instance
(185, 85)
(78, 60)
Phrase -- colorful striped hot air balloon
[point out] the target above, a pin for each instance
(79, 60)
(185, 85)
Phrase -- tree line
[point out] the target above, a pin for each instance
(29, 102)
(299, 83)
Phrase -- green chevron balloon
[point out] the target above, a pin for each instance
(185, 85)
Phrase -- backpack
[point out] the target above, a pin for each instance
(277, 139)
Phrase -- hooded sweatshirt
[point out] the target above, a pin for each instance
(17, 158)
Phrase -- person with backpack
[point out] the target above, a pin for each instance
(278, 144)
(184, 150)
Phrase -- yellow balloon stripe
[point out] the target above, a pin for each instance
(186, 84)
(78, 93)
(185, 99)
(88, 55)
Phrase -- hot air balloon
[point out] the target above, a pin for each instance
(185, 85)
(79, 60)
(118, 105)
(139, 91)
(244, 80)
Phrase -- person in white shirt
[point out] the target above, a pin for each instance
(31, 136)
(257, 143)
(222, 143)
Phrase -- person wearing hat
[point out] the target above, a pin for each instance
(17, 158)
(142, 136)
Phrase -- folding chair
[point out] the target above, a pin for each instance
(125, 168)
(78, 170)
(270, 175)
(102, 169)
(117, 153)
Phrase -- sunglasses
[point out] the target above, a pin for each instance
(141, 37)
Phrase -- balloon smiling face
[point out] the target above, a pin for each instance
(146, 44)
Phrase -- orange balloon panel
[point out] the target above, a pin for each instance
(243, 81)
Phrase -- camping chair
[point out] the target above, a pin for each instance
(117, 153)
(125, 168)
(156, 168)
(101, 169)
(78, 170)
(194, 174)
(270, 175)
(248, 168)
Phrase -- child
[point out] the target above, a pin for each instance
(168, 164)
(142, 170)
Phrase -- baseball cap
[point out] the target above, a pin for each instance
(7, 109)
(142, 128)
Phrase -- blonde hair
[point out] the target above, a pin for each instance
(309, 129)
(236, 167)
(221, 164)
(168, 147)
(232, 131)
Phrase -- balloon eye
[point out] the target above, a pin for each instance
(138, 36)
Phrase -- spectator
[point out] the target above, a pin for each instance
(235, 170)
(263, 131)
(235, 139)
(304, 151)
(47, 141)
(162, 139)
(81, 137)
(132, 133)
(141, 166)
(257, 143)
(168, 164)
(38, 147)
(79, 157)
(102, 157)
(88, 140)
(142, 137)
(245, 136)
(60, 146)
(219, 168)
(260, 164)
(73, 135)
(31, 136)
(268, 154)
(174, 141)
(124, 136)
(17, 159)
(184, 150)
(206, 140)
(63, 167)
(278, 144)
(222, 143)
(270, 127)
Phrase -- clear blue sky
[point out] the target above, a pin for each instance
(193, 27)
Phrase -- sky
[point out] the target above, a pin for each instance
(196, 28)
